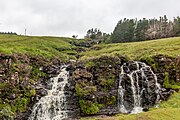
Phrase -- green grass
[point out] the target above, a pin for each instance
(159, 114)
(60, 47)
(137, 50)
(37, 46)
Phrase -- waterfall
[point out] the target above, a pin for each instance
(138, 88)
(53, 106)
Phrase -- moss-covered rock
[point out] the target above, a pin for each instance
(166, 67)
(166, 83)
(97, 81)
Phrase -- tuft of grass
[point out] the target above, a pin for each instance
(172, 102)
(138, 50)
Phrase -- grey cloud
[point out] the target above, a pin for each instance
(68, 17)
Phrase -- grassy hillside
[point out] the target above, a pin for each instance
(42, 46)
(137, 50)
(61, 47)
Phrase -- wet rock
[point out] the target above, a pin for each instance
(43, 92)
(39, 86)
(137, 85)
(49, 86)
(60, 79)
(145, 109)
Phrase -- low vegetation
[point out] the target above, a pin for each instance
(167, 83)
(137, 50)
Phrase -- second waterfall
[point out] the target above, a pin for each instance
(138, 88)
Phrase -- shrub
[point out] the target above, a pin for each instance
(88, 107)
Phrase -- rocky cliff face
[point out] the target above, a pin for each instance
(94, 84)
(97, 83)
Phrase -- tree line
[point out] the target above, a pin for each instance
(10, 33)
(131, 30)
(96, 35)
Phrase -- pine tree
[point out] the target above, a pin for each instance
(177, 26)
(124, 31)
(140, 30)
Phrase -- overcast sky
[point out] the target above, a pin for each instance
(75, 17)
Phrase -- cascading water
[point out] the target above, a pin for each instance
(138, 88)
(53, 106)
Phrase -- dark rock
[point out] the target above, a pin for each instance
(49, 86)
(60, 79)
(43, 92)
(22, 116)
(165, 93)
(89, 97)
(145, 109)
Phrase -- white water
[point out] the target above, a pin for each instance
(53, 105)
(136, 91)
(121, 107)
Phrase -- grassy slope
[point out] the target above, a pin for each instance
(168, 110)
(52, 46)
(43, 46)
(137, 50)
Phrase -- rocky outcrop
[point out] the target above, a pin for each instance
(97, 83)
(93, 84)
